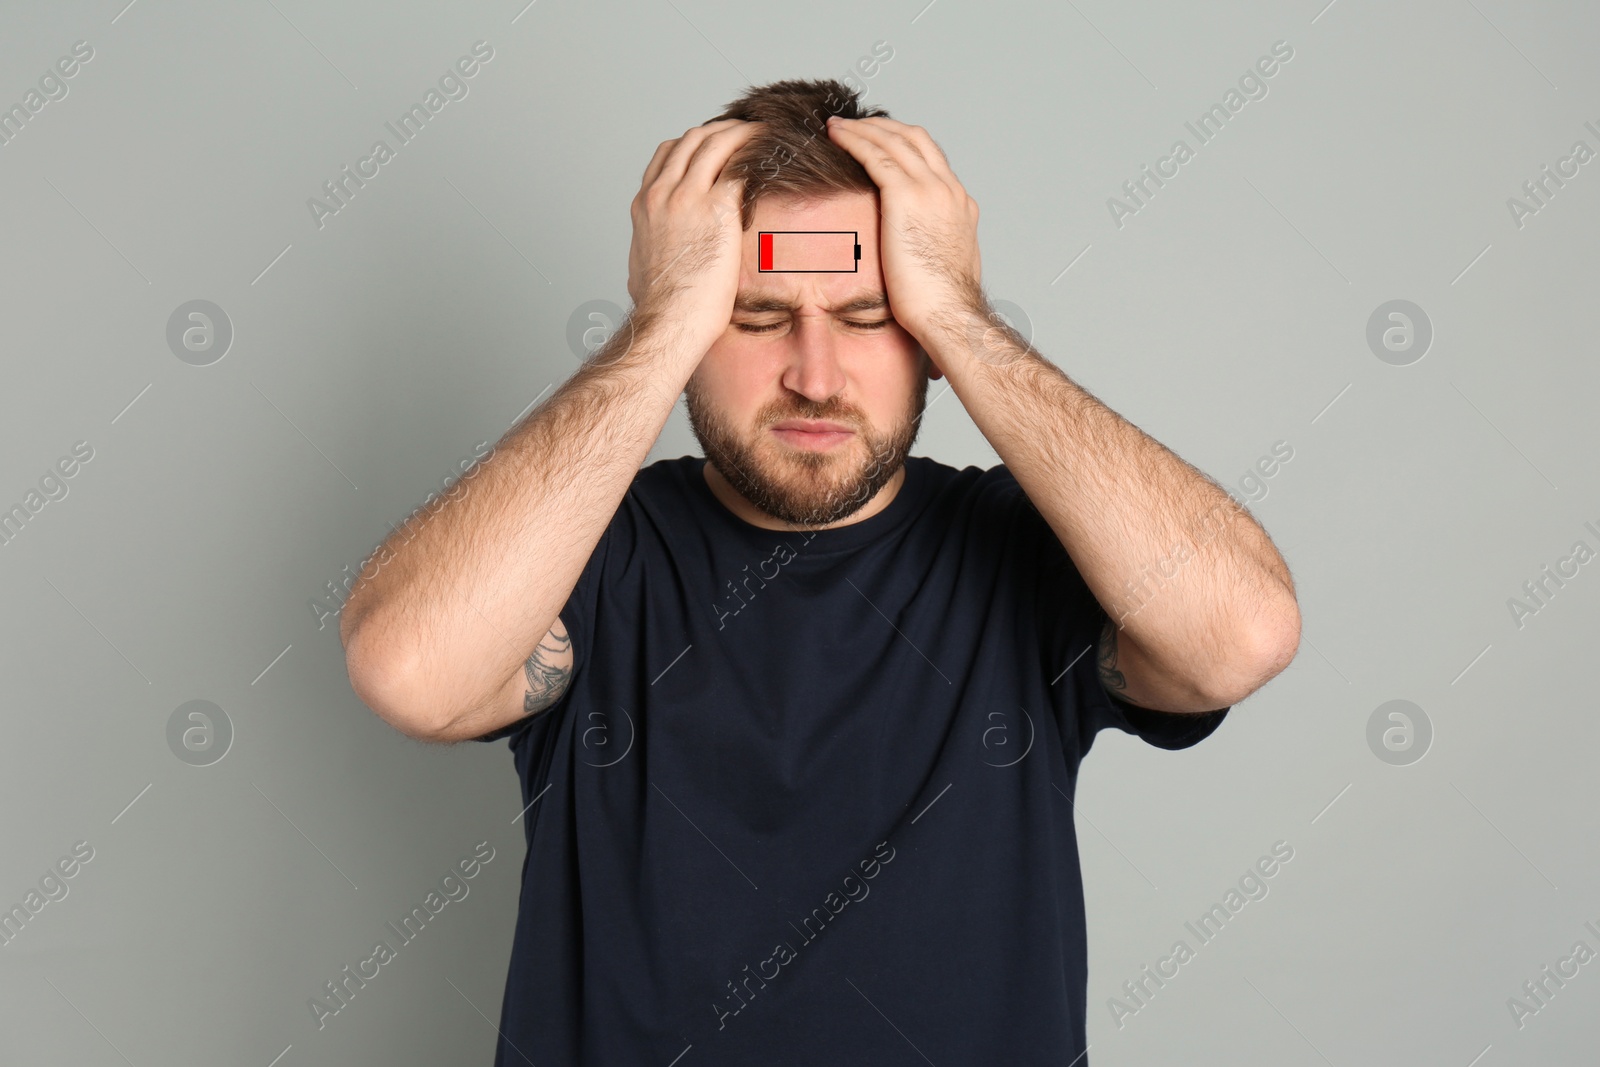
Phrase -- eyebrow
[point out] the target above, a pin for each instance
(755, 301)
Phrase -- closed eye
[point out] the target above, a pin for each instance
(752, 328)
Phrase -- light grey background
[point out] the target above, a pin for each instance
(372, 354)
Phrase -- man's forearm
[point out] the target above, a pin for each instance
(1121, 504)
(456, 609)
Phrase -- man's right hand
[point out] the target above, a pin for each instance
(683, 264)
(437, 643)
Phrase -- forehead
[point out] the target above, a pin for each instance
(847, 211)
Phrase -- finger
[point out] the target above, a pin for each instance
(653, 168)
(712, 155)
(926, 147)
(931, 153)
(683, 154)
(887, 155)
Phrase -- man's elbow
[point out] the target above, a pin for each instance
(1263, 653)
(383, 687)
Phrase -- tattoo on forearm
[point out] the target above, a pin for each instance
(1109, 675)
(547, 679)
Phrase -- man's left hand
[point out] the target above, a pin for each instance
(928, 240)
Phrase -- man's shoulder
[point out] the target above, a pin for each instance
(670, 475)
(967, 471)
(970, 480)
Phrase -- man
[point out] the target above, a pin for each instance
(800, 730)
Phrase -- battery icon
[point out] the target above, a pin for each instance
(809, 251)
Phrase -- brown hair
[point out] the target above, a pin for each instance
(792, 156)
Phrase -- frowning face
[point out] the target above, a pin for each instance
(808, 404)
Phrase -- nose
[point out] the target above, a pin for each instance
(813, 369)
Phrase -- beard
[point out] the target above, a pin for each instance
(804, 488)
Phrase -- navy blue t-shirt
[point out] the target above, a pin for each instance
(808, 797)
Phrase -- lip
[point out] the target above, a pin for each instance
(798, 433)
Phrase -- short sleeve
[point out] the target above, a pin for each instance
(1070, 620)
(578, 614)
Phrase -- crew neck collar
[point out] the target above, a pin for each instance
(852, 535)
